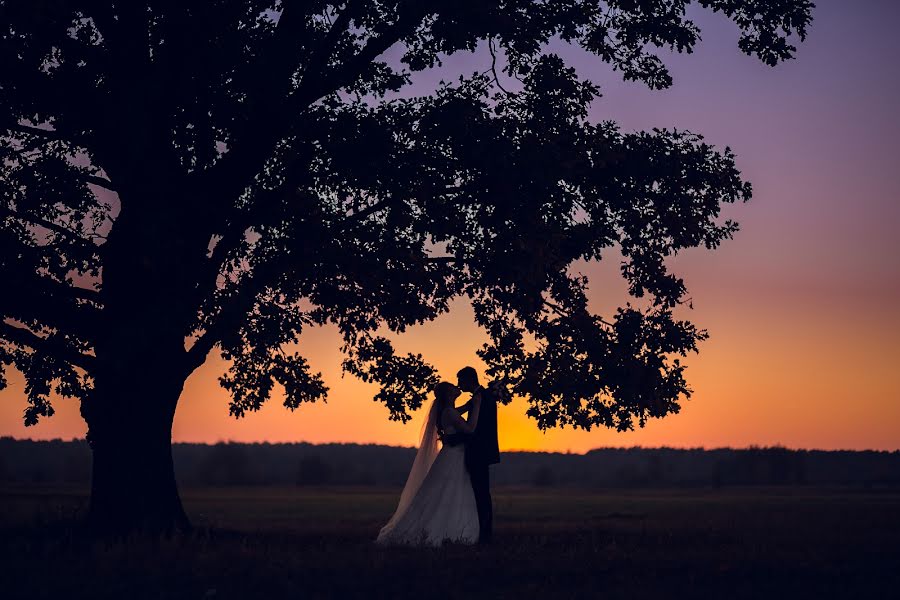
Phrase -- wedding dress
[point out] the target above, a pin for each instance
(437, 503)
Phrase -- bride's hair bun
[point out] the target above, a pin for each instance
(443, 389)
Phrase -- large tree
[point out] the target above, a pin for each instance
(180, 176)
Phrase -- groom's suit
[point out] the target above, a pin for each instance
(482, 450)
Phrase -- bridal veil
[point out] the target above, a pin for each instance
(428, 450)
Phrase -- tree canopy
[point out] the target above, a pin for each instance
(232, 172)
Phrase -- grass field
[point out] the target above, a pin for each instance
(310, 543)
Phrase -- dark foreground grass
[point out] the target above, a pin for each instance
(309, 543)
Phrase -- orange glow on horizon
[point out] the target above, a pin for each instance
(765, 377)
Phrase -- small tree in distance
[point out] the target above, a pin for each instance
(180, 176)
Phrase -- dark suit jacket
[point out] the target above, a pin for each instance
(481, 446)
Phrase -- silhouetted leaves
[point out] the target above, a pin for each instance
(266, 180)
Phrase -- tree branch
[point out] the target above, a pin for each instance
(49, 302)
(360, 215)
(22, 336)
(237, 168)
(196, 356)
(240, 302)
(318, 60)
(98, 181)
(48, 134)
(64, 231)
(562, 313)
(328, 83)
(55, 288)
(494, 65)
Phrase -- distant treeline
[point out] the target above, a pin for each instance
(25, 461)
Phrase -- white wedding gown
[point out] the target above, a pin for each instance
(440, 506)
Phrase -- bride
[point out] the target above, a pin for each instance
(437, 502)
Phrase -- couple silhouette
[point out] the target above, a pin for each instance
(447, 496)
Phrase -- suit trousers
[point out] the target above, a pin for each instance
(481, 485)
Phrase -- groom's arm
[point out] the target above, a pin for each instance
(464, 408)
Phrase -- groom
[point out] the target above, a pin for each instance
(482, 449)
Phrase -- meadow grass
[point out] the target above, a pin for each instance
(317, 543)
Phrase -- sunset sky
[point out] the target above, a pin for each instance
(803, 306)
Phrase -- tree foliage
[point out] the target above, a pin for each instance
(242, 170)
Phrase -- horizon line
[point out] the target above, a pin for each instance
(511, 451)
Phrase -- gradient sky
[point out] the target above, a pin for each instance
(803, 306)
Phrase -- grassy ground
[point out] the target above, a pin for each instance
(309, 543)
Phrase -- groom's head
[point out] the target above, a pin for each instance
(467, 379)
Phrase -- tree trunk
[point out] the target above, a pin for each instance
(149, 300)
(133, 481)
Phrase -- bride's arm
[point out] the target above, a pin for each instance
(459, 423)
(464, 408)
